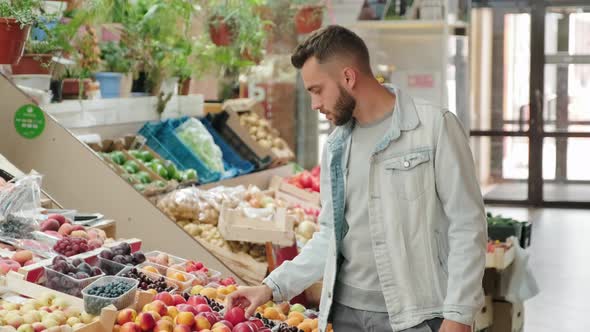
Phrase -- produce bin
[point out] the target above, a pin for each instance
(66, 284)
(93, 304)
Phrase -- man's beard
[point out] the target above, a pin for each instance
(344, 107)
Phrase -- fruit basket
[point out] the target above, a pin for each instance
(182, 279)
(67, 284)
(202, 277)
(93, 303)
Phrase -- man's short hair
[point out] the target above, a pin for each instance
(330, 41)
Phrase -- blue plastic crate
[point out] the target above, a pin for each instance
(169, 139)
(230, 156)
(149, 132)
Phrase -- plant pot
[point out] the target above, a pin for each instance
(110, 84)
(56, 87)
(309, 18)
(140, 85)
(12, 40)
(126, 84)
(71, 88)
(220, 31)
(185, 87)
(33, 64)
(39, 82)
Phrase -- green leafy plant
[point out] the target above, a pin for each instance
(24, 12)
(115, 57)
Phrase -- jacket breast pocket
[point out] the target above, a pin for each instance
(410, 175)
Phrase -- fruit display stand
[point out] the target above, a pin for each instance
(77, 177)
(15, 283)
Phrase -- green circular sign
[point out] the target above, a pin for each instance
(29, 121)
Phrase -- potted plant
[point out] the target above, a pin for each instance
(16, 18)
(308, 16)
(86, 57)
(116, 65)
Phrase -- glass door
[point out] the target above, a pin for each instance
(560, 79)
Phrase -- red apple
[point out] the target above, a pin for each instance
(315, 171)
(165, 297)
(235, 315)
(243, 327)
(178, 299)
(259, 323)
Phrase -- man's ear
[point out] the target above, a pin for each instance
(349, 77)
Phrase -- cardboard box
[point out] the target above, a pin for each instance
(485, 316)
(508, 317)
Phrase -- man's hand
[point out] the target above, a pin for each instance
(249, 298)
(452, 326)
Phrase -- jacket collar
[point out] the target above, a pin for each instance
(404, 118)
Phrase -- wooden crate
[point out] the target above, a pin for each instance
(485, 317)
(306, 198)
(234, 226)
(17, 284)
(508, 317)
(501, 258)
(242, 264)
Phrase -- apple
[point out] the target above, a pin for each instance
(31, 317)
(125, 316)
(178, 299)
(145, 321)
(243, 327)
(14, 320)
(202, 323)
(235, 315)
(172, 312)
(258, 322)
(49, 322)
(196, 300)
(60, 218)
(129, 327)
(298, 307)
(165, 297)
(187, 308)
(203, 308)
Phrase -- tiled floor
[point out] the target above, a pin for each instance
(560, 260)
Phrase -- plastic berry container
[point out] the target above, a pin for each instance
(65, 284)
(93, 304)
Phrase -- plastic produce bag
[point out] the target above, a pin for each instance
(521, 281)
(21, 197)
(199, 140)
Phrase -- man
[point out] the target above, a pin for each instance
(402, 240)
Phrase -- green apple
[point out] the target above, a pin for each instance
(171, 169)
(189, 175)
(135, 153)
(298, 307)
(143, 177)
(131, 164)
(118, 157)
(146, 156)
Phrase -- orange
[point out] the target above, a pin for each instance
(314, 323)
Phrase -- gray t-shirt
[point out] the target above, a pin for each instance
(357, 283)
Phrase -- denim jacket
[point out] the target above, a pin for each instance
(426, 220)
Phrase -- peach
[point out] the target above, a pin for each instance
(22, 257)
(14, 320)
(271, 313)
(164, 326)
(185, 318)
(129, 327)
(166, 298)
(125, 316)
(202, 323)
(60, 218)
(65, 229)
(145, 321)
(221, 328)
(31, 317)
(182, 328)
(168, 318)
(209, 292)
(156, 315)
(172, 312)
(158, 306)
(178, 299)
(38, 327)
(26, 328)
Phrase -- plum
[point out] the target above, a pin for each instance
(138, 257)
(107, 254)
(77, 261)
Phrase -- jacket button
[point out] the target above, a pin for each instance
(329, 295)
(406, 164)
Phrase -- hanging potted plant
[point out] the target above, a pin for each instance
(308, 16)
(16, 18)
(116, 65)
(38, 55)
